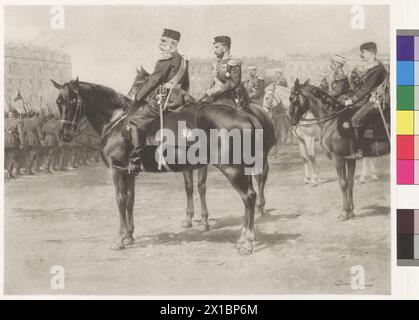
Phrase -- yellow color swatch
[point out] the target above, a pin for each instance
(405, 122)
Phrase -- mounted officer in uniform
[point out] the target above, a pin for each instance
(255, 86)
(166, 88)
(226, 87)
(374, 77)
(13, 140)
(339, 82)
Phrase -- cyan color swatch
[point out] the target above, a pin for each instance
(405, 73)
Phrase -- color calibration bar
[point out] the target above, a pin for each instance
(407, 107)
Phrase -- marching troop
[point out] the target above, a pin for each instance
(32, 144)
(167, 87)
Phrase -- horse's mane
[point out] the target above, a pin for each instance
(116, 97)
(325, 97)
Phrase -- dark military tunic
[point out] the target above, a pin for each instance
(255, 87)
(226, 87)
(13, 133)
(373, 77)
(166, 69)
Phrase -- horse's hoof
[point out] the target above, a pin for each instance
(245, 251)
(128, 241)
(186, 224)
(350, 215)
(117, 246)
(314, 184)
(239, 244)
(306, 181)
(345, 217)
(205, 227)
(260, 209)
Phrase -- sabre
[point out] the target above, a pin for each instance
(381, 110)
(384, 121)
(161, 125)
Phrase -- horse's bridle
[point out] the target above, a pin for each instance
(318, 120)
(78, 114)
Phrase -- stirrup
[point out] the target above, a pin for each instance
(358, 155)
(133, 168)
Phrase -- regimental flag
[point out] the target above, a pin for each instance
(17, 97)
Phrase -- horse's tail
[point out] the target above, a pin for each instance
(260, 120)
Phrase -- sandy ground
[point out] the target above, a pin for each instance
(70, 219)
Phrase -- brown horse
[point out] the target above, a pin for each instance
(328, 113)
(202, 173)
(104, 109)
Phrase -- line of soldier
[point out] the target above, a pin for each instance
(32, 143)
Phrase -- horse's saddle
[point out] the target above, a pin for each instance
(372, 125)
(179, 123)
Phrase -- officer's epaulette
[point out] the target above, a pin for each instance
(234, 62)
(165, 56)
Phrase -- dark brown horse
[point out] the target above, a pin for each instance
(202, 173)
(103, 108)
(328, 113)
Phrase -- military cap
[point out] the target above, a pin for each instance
(171, 34)
(339, 59)
(251, 68)
(368, 46)
(223, 39)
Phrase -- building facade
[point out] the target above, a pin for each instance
(29, 70)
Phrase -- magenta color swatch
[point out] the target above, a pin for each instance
(405, 171)
(416, 172)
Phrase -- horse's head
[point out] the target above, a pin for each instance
(71, 107)
(140, 78)
(299, 101)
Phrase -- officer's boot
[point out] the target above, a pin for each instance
(31, 160)
(138, 139)
(355, 146)
(48, 165)
(10, 170)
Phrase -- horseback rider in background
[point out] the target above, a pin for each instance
(255, 86)
(339, 82)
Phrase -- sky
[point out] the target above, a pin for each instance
(107, 43)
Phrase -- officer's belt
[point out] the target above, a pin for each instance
(178, 76)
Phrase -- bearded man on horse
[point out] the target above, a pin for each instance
(374, 76)
(164, 89)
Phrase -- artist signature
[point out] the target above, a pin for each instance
(341, 283)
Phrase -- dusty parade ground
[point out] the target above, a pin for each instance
(70, 219)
